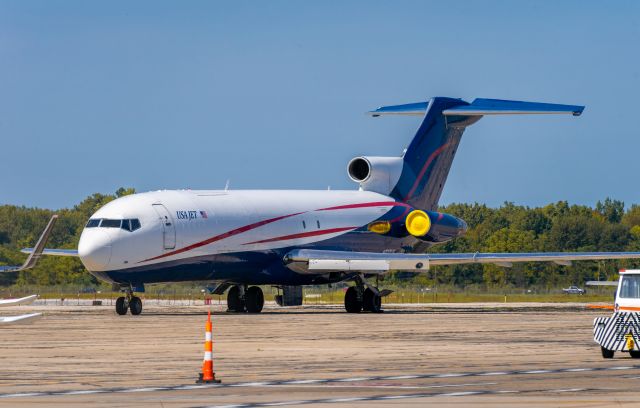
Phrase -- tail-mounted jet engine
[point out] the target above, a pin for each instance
(434, 226)
(378, 174)
(428, 226)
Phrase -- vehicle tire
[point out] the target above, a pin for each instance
(371, 302)
(254, 299)
(234, 302)
(121, 306)
(606, 353)
(351, 302)
(135, 305)
(634, 353)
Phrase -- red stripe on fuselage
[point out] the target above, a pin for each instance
(270, 220)
(222, 236)
(363, 205)
(302, 235)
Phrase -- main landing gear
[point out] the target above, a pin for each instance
(128, 302)
(241, 299)
(363, 296)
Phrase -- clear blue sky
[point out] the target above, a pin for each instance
(152, 95)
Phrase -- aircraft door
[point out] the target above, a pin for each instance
(168, 227)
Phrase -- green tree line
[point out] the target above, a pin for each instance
(555, 227)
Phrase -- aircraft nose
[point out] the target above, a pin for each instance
(94, 249)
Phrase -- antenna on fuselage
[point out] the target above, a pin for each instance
(226, 185)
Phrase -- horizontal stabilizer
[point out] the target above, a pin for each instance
(481, 107)
(54, 252)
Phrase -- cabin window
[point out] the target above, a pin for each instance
(318, 223)
(304, 225)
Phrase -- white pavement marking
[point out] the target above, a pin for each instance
(252, 384)
(450, 375)
(312, 381)
(402, 377)
(82, 392)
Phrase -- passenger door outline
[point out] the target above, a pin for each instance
(168, 226)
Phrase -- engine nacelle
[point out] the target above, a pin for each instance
(379, 174)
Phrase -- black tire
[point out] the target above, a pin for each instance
(135, 305)
(606, 353)
(121, 306)
(351, 302)
(234, 302)
(371, 302)
(634, 353)
(254, 299)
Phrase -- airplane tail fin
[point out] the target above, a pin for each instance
(429, 156)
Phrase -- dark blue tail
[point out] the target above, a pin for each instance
(428, 158)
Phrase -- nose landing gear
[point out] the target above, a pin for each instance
(128, 302)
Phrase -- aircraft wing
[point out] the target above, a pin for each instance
(20, 319)
(312, 261)
(20, 301)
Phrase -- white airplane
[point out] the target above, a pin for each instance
(292, 238)
(31, 261)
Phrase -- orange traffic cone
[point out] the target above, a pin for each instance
(207, 375)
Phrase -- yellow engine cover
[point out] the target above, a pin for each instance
(418, 223)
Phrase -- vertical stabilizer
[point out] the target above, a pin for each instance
(428, 158)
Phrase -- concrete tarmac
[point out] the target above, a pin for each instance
(411, 355)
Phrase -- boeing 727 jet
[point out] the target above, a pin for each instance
(241, 239)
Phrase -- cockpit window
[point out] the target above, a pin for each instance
(130, 224)
(93, 223)
(630, 287)
(107, 223)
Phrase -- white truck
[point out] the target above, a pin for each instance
(621, 332)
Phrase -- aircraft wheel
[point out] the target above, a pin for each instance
(634, 353)
(121, 305)
(234, 302)
(606, 353)
(371, 302)
(351, 302)
(135, 305)
(254, 299)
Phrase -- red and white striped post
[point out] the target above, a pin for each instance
(207, 375)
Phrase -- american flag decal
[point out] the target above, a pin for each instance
(203, 214)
